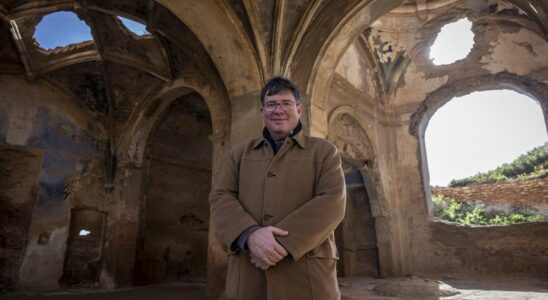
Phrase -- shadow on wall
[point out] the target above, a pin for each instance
(173, 233)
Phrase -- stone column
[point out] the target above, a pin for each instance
(246, 121)
(395, 185)
(122, 228)
(216, 256)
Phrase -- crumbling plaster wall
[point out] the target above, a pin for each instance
(34, 119)
(19, 170)
(416, 92)
(491, 64)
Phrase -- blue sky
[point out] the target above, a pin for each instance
(135, 27)
(62, 28)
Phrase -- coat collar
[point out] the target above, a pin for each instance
(297, 136)
(259, 142)
(299, 139)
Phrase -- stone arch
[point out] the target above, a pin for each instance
(420, 119)
(361, 146)
(174, 215)
(126, 205)
(314, 76)
(133, 144)
(366, 164)
(363, 253)
(224, 40)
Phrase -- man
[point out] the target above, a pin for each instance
(275, 205)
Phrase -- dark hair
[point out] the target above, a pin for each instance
(277, 84)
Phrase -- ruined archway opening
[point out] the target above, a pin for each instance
(173, 233)
(487, 157)
(453, 43)
(356, 236)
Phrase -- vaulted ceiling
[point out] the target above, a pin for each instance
(112, 74)
(246, 42)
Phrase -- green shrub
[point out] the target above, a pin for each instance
(467, 214)
(498, 220)
(438, 205)
(475, 217)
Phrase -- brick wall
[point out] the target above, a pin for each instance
(524, 195)
(458, 250)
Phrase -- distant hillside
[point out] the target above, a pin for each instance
(533, 164)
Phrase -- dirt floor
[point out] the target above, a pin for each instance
(449, 288)
(411, 288)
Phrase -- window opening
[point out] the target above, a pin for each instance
(61, 29)
(487, 154)
(137, 28)
(453, 43)
(84, 232)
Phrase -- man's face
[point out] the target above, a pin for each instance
(283, 118)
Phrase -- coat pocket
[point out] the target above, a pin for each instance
(233, 277)
(323, 278)
(327, 249)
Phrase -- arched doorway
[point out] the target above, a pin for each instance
(356, 236)
(173, 233)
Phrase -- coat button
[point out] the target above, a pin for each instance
(270, 174)
(267, 217)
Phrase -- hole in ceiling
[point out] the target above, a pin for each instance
(84, 232)
(61, 29)
(453, 43)
(137, 28)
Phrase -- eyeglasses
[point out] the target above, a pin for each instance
(285, 105)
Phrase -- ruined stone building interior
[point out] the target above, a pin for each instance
(108, 147)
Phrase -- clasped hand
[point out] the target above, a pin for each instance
(264, 249)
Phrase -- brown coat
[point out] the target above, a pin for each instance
(300, 189)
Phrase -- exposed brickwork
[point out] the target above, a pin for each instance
(19, 170)
(524, 194)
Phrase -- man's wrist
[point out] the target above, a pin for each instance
(241, 241)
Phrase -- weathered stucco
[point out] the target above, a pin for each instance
(37, 123)
(123, 135)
